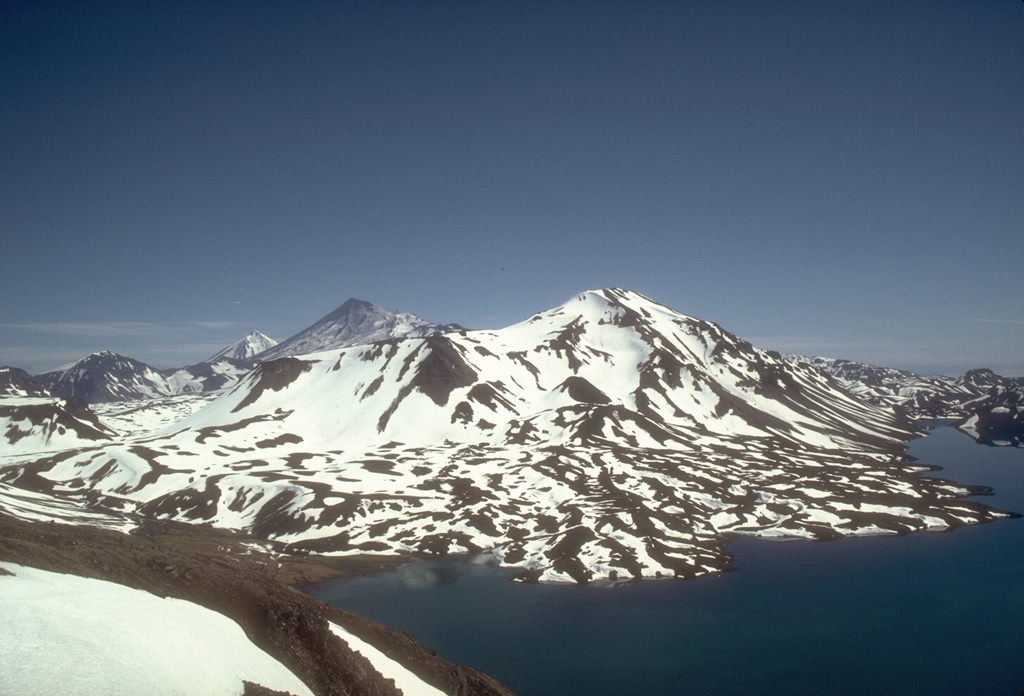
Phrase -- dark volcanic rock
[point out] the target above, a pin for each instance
(583, 391)
(998, 418)
(16, 382)
(275, 376)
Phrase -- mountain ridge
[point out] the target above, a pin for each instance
(607, 438)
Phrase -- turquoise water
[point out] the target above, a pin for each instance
(928, 614)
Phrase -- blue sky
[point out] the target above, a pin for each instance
(842, 179)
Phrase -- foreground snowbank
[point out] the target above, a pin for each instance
(72, 635)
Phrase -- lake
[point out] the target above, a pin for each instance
(927, 614)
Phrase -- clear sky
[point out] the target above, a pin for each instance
(833, 178)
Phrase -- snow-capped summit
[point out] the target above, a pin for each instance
(245, 348)
(354, 323)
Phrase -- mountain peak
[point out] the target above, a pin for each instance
(355, 322)
(354, 303)
(105, 376)
(90, 359)
(245, 348)
(606, 298)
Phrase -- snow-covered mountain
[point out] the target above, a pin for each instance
(245, 348)
(932, 396)
(106, 376)
(610, 437)
(356, 322)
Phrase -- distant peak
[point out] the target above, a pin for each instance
(355, 322)
(90, 360)
(260, 336)
(354, 307)
(254, 343)
(353, 302)
(101, 355)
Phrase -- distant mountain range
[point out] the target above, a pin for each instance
(105, 377)
(985, 405)
(610, 437)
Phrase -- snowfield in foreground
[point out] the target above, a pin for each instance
(65, 634)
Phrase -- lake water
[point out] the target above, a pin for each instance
(928, 614)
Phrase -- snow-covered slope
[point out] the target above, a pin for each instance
(244, 348)
(608, 437)
(356, 322)
(131, 418)
(68, 634)
(206, 376)
(42, 424)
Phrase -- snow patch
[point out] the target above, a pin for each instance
(65, 634)
(406, 681)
